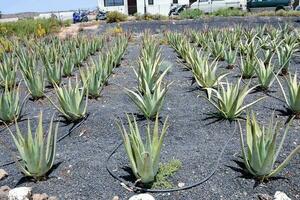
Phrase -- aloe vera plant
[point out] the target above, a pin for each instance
(230, 57)
(143, 157)
(10, 105)
(93, 81)
(35, 82)
(292, 97)
(285, 54)
(37, 153)
(8, 69)
(71, 101)
(248, 67)
(229, 100)
(261, 153)
(68, 65)
(265, 75)
(206, 76)
(54, 71)
(217, 49)
(150, 102)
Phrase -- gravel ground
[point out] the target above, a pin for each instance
(193, 139)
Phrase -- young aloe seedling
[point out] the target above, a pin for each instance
(230, 58)
(248, 67)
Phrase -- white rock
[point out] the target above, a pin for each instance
(281, 196)
(142, 197)
(3, 174)
(20, 193)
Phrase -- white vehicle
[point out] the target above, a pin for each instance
(209, 6)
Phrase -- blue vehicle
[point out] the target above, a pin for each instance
(80, 16)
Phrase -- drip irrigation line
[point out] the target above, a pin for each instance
(134, 188)
(74, 127)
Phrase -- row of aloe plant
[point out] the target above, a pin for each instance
(36, 152)
(261, 154)
(144, 156)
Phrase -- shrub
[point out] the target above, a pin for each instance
(37, 153)
(116, 16)
(191, 14)
(227, 12)
(144, 158)
(31, 27)
(261, 152)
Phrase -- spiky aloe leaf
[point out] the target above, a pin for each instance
(261, 145)
(37, 154)
(143, 157)
(71, 101)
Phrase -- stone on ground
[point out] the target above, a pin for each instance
(20, 193)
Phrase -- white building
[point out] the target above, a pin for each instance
(131, 7)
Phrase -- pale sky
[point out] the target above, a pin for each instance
(16, 6)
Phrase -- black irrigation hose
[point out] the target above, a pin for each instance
(74, 127)
(139, 189)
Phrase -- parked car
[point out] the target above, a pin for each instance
(209, 6)
(270, 4)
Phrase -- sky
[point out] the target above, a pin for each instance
(16, 6)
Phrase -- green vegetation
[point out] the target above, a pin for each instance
(31, 27)
(164, 172)
(227, 12)
(10, 107)
(191, 14)
(150, 103)
(71, 101)
(8, 69)
(261, 153)
(37, 153)
(144, 157)
(229, 100)
(116, 16)
(292, 97)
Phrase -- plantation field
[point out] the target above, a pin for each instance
(201, 141)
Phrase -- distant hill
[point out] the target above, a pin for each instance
(21, 15)
(30, 14)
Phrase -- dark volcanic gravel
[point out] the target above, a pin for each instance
(192, 138)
